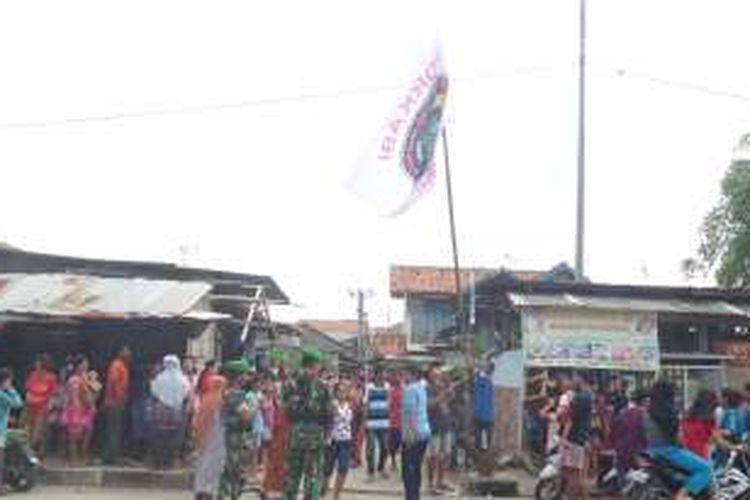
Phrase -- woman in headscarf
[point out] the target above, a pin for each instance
(170, 389)
(209, 439)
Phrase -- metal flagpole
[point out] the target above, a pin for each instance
(581, 183)
(456, 268)
(463, 332)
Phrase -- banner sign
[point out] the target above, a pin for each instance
(588, 339)
(738, 349)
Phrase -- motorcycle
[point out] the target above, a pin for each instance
(733, 477)
(21, 464)
(550, 483)
(658, 479)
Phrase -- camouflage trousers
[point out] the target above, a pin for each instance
(307, 462)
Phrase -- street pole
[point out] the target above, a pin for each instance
(362, 331)
(581, 182)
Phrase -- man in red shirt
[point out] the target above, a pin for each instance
(394, 417)
(115, 401)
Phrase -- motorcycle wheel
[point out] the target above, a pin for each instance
(23, 479)
(551, 488)
(650, 492)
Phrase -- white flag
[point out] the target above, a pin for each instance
(400, 167)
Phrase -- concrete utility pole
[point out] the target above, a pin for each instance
(362, 330)
(581, 183)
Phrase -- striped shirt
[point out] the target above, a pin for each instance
(377, 407)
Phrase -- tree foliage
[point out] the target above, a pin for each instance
(725, 233)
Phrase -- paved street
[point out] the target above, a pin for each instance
(358, 487)
(84, 493)
(81, 493)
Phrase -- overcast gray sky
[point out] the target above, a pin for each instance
(259, 187)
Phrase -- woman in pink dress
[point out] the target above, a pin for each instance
(79, 408)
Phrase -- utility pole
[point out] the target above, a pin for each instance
(362, 335)
(581, 183)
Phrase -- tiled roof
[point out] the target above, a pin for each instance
(333, 325)
(432, 280)
(342, 330)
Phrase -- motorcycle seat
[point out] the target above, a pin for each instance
(659, 460)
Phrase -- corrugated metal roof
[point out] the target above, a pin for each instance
(712, 307)
(89, 296)
(13, 260)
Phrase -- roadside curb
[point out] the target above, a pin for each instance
(115, 477)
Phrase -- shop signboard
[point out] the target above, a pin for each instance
(590, 339)
(738, 349)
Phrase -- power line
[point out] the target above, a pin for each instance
(187, 110)
(613, 71)
(275, 101)
(620, 72)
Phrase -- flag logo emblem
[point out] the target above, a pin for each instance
(419, 147)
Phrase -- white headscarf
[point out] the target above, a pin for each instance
(171, 387)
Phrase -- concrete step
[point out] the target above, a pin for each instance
(182, 479)
(116, 477)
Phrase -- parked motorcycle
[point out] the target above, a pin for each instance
(733, 478)
(21, 464)
(550, 483)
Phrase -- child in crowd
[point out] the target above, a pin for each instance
(339, 448)
(9, 400)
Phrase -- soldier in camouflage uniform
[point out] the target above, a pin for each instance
(234, 415)
(309, 407)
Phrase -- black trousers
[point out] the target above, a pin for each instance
(166, 443)
(115, 417)
(412, 455)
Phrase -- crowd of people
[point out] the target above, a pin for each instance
(595, 429)
(237, 426)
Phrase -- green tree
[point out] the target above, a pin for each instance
(725, 233)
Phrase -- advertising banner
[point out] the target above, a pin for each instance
(589, 339)
(738, 349)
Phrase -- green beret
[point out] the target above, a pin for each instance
(236, 367)
(311, 357)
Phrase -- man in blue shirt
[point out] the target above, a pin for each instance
(484, 407)
(9, 400)
(416, 433)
